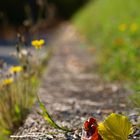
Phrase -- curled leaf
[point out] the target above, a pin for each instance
(90, 130)
(115, 127)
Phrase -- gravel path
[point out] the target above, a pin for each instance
(71, 91)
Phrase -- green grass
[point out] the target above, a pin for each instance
(45, 114)
(118, 50)
(17, 98)
(113, 29)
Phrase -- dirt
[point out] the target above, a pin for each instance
(72, 91)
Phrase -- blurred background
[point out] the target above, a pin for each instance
(33, 19)
(23, 15)
(109, 29)
(112, 27)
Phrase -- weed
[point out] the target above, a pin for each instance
(115, 33)
(113, 27)
(49, 119)
(18, 89)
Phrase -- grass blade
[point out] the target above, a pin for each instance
(49, 119)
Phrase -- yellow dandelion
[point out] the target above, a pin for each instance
(38, 43)
(122, 27)
(7, 81)
(133, 27)
(118, 41)
(41, 41)
(15, 69)
(34, 42)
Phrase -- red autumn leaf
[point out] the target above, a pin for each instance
(90, 130)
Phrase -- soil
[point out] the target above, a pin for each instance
(72, 91)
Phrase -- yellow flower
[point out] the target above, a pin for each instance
(122, 27)
(38, 43)
(7, 81)
(15, 69)
(133, 27)
(42, 42)
(118, 41)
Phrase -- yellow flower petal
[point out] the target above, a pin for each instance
(122, 27)
(16, 69)
(42, 42)
(118, 41)
(38, 43)
(34, 42)
(133, 27)
(7, 81)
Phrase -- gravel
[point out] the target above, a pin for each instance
(72, 91)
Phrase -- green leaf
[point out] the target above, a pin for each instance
(49, 119)
(17, 109)
(5, 131)
(115, 127)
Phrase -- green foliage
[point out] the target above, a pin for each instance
(113, 27)
(17, 96)
(49, 119)
(115, 127)
(15, 100)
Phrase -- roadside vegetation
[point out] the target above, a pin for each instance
(18, 87)
(113, 29)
